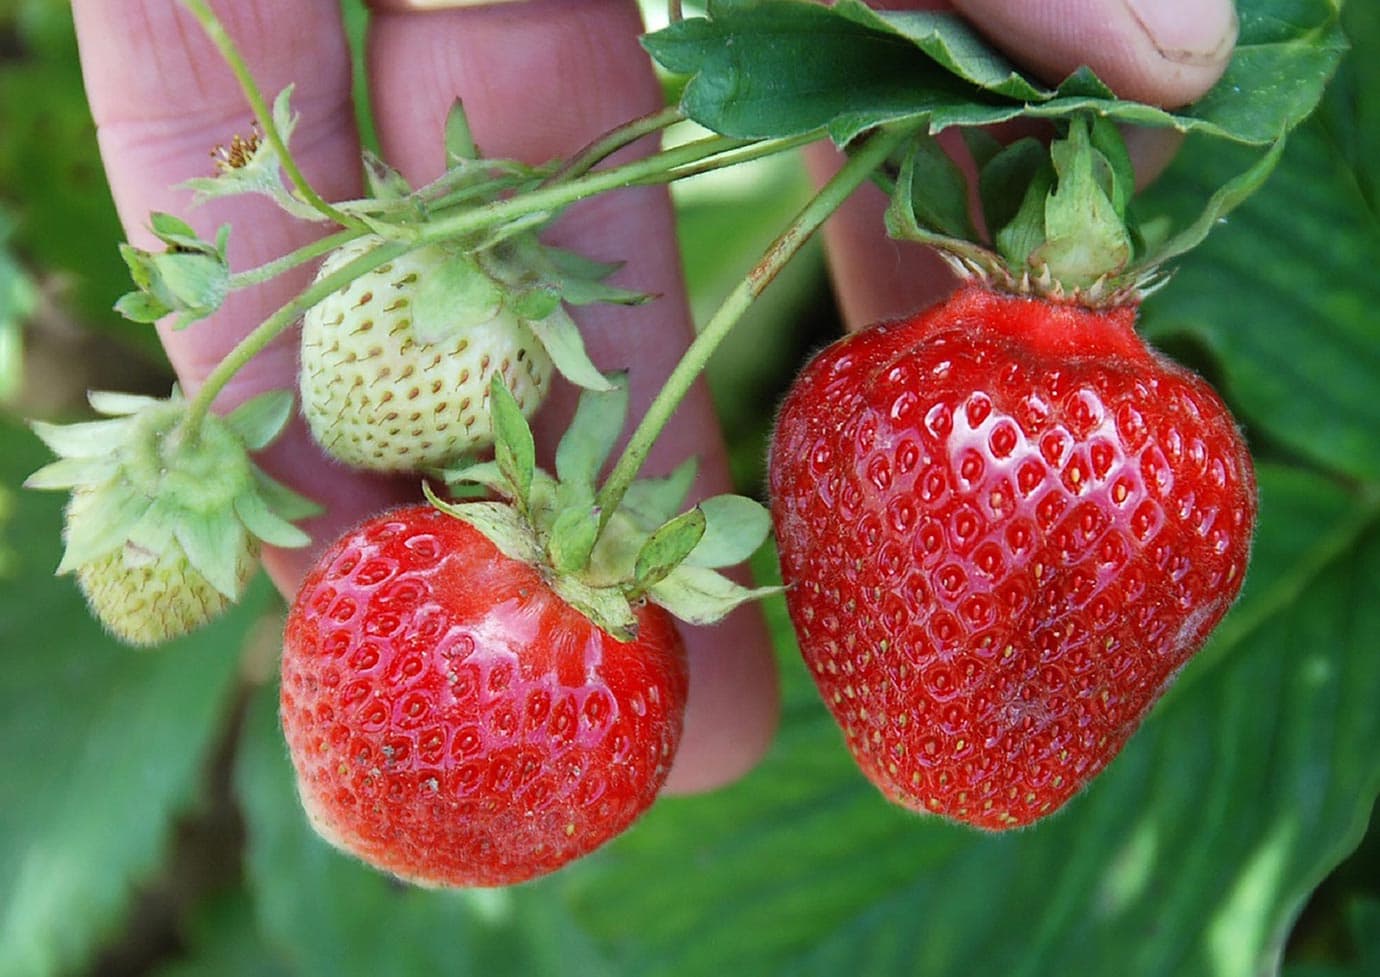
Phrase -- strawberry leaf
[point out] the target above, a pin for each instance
(735, 527)
(770, 68)
(654, 500)
(258, 422)
(572, 538)
(666, 549)
(514, 450)
(698, 595)
(585, 447)
(459, 137)
(454, 296)
(561, 338)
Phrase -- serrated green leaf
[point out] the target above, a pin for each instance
(561, 339)
(667, 547)
(259, 420)
(515, 451)
(770, 68)
(453, 296)
(654, 500)
(699, 595)
(593, 431)
(735, 527)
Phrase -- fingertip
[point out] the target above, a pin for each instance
(734, 703)
(1165, 52)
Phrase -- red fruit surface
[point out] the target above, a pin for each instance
(454, 722)
(1005, 525)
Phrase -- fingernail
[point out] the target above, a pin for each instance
(1187, 31)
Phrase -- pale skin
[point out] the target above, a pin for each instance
(540, 79)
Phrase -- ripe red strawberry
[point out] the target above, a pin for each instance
(454, 722)
(1005, 524)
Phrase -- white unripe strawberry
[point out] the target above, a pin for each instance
(378, 395)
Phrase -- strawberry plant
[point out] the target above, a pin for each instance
(1012, 531)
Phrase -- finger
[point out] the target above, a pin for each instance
(1166, 52)
(1162, 52)
(539, 80)
(162, 98)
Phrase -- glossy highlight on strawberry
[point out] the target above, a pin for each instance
(455, 723)
(1005, 524)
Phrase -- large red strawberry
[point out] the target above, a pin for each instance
(1005, 524)
(454, 722)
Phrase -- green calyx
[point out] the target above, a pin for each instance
(1060, 218)
(190, 278)
(150, 491)
(522, 278)
(648, 548)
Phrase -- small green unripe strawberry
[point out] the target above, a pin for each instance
(396, 365)
(146, 598)
(167, 513)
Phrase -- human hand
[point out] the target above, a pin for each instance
(539, 79)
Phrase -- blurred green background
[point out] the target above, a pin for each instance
(148, 823)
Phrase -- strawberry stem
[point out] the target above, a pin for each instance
(274, 268)
(268, 330)
(264, 114)
(615, 139)
(861, 164)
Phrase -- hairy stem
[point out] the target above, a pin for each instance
(274, 268)
(264, 113)
(614, 140)
(268, 330)
(856, 171)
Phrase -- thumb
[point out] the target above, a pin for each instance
(1167, 52)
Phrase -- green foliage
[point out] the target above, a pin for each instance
(104, 747)
(775, 67)
(1194, 854)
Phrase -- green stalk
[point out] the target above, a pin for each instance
(263, 113)
(274, 268)
(614, 140)
(268, 330)
(861, 164)
(650, 170)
